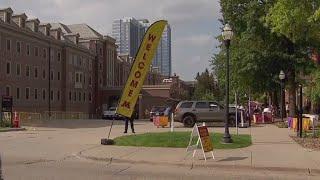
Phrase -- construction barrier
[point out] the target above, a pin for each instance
(160, 121)
(293, 124)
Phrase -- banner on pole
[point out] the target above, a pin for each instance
(140, 68)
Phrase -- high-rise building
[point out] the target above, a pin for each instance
(129, 33)
(162, 59)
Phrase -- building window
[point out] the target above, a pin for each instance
(84, 79)
(18, 69)
(59, 56)
(43, 94)
(90, 80)
(90, 65)
(100, 66)
(79, 96)
(100, 51)
(8, 44)
(18, 47)
(44, 74)
(8, 67)
(36, 72)
(58, 95)
(51, 75)
(58, 76)
(84, 97)
(27, 71)
(70, 96)
(90, 98)
(77, 77)
(18, 93)
(8, 91)
(27, 93)
(74, 96)
(51, 95)
(36, 94)
(28, 49)
(80, 77)
(36, 51)
(44, 53)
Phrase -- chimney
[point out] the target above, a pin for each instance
(45, 29)
(20, 19)
(6, 14)
(74, 37)
(33, 24)
(56, 33)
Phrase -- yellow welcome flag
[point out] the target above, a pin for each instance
(140, 68)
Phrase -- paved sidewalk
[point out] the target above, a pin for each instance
(272, 149)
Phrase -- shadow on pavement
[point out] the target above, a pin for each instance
(233, 159)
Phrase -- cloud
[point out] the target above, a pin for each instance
(194, 23)
(200, 40)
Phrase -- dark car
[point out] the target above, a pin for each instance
(157, 111)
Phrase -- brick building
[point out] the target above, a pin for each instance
(42, 68)
(54, 67)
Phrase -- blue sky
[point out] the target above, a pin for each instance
(194, 23)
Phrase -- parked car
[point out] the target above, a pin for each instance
(111, 114)
(190, 112)
(157, 111)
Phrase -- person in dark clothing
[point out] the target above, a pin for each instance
(131, 119)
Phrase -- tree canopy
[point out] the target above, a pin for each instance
(270, 35)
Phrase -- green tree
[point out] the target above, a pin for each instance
(296, 22)
(206, 87)
(258, 53)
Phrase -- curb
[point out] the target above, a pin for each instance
(192, 165)
(12, 129)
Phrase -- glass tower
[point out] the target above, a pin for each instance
(129, 33)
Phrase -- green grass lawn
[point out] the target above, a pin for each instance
(3, 128)
(179, 140)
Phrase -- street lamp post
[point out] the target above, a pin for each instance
(282, 77)
(227, 36)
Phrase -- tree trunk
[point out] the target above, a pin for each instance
(292, 93)
(291, 76)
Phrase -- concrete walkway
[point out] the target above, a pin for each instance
(272, 149)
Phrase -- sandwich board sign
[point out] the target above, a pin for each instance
(200, 138)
